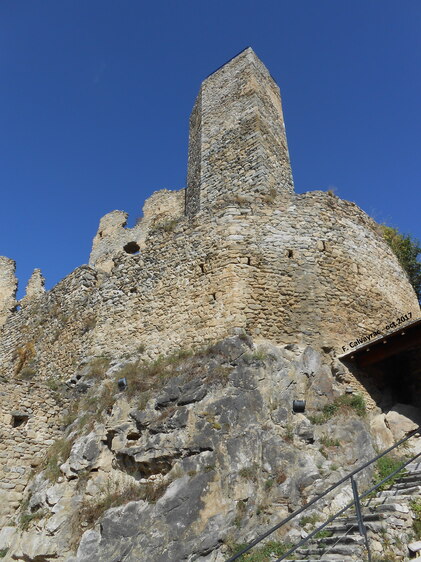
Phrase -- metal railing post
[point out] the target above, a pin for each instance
(361, 527)
(325, 493)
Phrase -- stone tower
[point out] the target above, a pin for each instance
(237, 141)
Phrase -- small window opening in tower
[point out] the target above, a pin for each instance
(19, 420)
(132, 248)
(290, 253)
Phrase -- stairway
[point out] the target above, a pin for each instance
(388, 510)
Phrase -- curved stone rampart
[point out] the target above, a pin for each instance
(236, 250)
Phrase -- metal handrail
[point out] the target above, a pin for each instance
(325, 493)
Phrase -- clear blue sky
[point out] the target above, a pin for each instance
(95, 97)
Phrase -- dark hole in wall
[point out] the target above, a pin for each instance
(19, 419)
(290, 253)
(131, 248)
(397, 378)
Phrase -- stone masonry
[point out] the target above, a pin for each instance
(237, 250)
(237, 146)
(8, 286)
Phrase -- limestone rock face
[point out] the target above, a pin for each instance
(402, 419)
(215, 455)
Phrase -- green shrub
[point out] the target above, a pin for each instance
(26, 518)
(52, 383)
(3, 552)
(329, 442)
(264, 553)
(384, 466)
(56, 455)
(323, 534)
(408, 251)
(342, 405)
(416, 524)
(98, 366)
(310, 519)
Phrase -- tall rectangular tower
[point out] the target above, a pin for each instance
(237, 143)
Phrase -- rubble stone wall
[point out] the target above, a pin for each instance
(313, 271)
(29, 424)
(8, 286)
(238, 144)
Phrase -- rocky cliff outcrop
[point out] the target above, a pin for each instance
(183, 458)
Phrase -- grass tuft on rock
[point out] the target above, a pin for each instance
(345, 404)
(265, 553)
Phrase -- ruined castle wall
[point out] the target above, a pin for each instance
(52, 333)
(114, 238)
(322, 273)
(245, 252)
(177, 293)
(29, 414)
(8, 287)
(311, 271)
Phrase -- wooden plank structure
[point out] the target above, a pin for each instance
(405, 339)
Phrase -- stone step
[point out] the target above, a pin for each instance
(410, 476)
(367, 517)
(405, 486)
(408, 491)
(331, 557)
(392, 508)
(341, 528)
(343, 550)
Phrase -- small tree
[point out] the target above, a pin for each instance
(408, 250)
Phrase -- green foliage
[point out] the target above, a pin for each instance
(98, 366)
(258, 355)
(265, 553)
(26, 518)
(416, 523)
(341, 405)
(3, 552)
(52, 383)
(384, 466)
(309, 519)
(289, 434)
(408, 252)
(56, 455)
(323, 534)
(329, 442)
(269, 484)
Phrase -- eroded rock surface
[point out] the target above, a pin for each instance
(212, 457)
